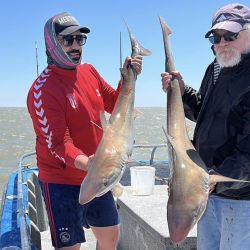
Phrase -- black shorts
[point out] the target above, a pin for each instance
(67, 217)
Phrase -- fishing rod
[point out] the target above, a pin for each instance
(120, 50)
(37, 71)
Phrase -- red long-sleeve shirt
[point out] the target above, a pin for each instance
(65, 109)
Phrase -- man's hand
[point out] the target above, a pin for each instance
(136, 62)
(166, 78)
(83, 162)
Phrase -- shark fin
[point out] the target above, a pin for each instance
(117, 190)
(137, 113)
(103, 119)
(169, 138)
(215, 178)
(143, 51)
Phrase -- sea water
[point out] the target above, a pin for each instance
(17, 137)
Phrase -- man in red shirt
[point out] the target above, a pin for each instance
(64, 103)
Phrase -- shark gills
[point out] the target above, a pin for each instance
(109, 162)
(189, 179)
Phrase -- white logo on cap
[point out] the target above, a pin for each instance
(221, 18)
(66, 19)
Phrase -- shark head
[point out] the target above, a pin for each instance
(96, 184)
(89, 189)
(187, 203)
(183, 215)
(189, 188)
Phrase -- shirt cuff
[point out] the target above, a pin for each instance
(71, 152)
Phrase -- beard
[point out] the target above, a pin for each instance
(75, 55)
(228, 57)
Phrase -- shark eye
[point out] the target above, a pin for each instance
(105, 183)
(195, 214)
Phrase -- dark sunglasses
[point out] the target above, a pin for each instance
(228, 37)
(68, 40)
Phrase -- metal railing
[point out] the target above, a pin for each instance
(25, 240)
(153, 146)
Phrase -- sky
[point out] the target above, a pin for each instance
(22, 24)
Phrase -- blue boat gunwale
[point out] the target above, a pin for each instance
(2, 202)
(14, 223)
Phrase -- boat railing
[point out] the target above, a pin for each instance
(153, 146)
(25, 239)
(2, 202)
(24, 228)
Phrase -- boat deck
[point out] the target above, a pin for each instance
(144, 222)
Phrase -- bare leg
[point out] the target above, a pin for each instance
(107, 237)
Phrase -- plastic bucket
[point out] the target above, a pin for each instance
(142, 180)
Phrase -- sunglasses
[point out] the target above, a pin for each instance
(228, 37)
(68, 40)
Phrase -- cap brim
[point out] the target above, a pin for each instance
(226, 25)
(71, 29)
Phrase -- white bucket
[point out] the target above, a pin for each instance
(142, 180)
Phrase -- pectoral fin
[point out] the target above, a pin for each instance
(117, 190)
(104, 121)
(215, 178)
(169, 138)
(137, 113)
